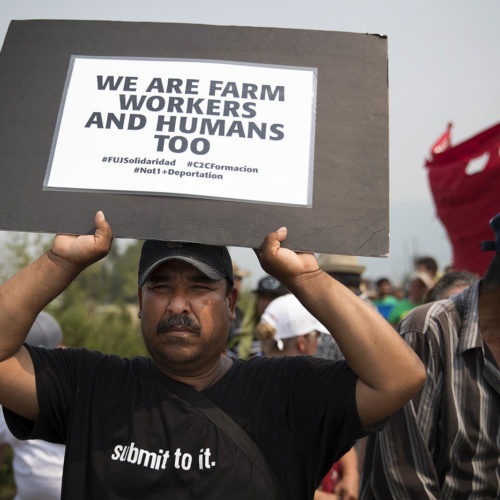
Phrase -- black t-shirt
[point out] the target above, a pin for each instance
(127, 436)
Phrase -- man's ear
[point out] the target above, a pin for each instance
(301, 344)
(232, 299)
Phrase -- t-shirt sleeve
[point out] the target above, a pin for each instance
(333, 385)
(57, 373)
(324, 395)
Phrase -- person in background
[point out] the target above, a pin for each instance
(233, 338)
(268, 288)
(445, 442)
(385, 298)
(344, 268)
(450, 283)
(342, 481)
(37, 464)
(418, 285)
(427, 264)
(288, 329)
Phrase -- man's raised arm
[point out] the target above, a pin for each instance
(24, 295)
(389, 372)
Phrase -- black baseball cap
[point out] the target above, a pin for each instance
(270, 285)
(213, 261)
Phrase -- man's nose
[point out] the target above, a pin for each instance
(178, 302)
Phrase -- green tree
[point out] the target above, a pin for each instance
(99, 309)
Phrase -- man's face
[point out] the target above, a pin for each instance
(417, 291)
(185, 318)
(385, 288)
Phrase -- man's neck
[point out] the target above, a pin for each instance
(204, 378)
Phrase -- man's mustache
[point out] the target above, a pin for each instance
(178, 321)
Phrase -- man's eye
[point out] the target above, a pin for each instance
(159, 286)
(201, 287)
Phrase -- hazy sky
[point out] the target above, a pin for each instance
(443, 59)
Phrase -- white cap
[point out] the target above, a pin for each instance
(290, 318)
(45, 332)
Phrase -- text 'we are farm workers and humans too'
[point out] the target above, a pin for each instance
(220, 114)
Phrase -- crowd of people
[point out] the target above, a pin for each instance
(424, 283)
(347, 388)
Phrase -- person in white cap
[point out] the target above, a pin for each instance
(287, 328)
(268, 288)
(130, 433)
(37, 464)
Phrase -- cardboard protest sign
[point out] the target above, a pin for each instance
(202, 133)
(170, 135)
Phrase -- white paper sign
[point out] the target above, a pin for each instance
(196, 128)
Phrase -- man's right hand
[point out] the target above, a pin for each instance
(81, 251)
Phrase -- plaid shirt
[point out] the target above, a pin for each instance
(445, 443)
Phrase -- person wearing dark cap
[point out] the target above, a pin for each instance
(268, 288)
(167, 426)
(445, 442)
(37, 465)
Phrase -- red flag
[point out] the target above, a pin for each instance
(465, 184)
(444, 142)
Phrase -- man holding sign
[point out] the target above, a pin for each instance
(129, 431)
